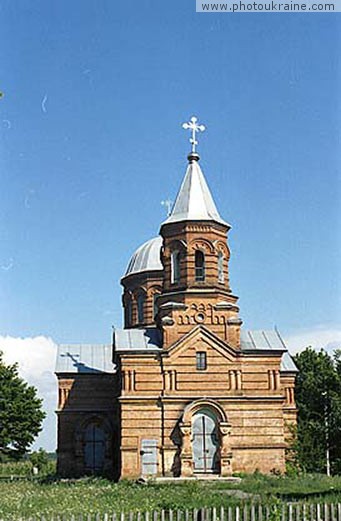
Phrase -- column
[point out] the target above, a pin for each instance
(186, 450)
(239, 380)
(233, 383)
(225, 449)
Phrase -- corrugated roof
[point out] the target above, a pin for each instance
(84, 358)
(137, 339)
(194, 201)
(146, 257)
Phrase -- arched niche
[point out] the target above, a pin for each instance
(93, 445)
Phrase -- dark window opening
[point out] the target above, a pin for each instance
(220, 267)
(201, 361)
(175, 267)
(128, 310)
(155, 306)
(199, 266)
(140, 308)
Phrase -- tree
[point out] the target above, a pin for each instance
(318, 398)
(21, 413)
(39, 459)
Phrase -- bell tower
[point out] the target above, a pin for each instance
(195, 256)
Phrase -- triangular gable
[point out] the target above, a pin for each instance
(208, 338)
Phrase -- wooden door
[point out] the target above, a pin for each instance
(94, 449)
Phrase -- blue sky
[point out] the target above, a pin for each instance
(95, 93)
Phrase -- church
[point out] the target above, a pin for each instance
(183, 390)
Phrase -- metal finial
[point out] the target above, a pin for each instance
(194, 127)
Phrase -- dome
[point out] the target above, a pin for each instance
(146, 257)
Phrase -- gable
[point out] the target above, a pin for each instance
(201, 339)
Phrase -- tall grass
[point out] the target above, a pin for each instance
(47, 497)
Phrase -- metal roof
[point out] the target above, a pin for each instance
(261, 340)
(92, 359)
(267, 340)
(84, 358)
(194, 201)
(287, 364)
(146, 257)
(137, 339)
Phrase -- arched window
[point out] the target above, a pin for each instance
(199, 266)
(155, 306)
(175, 267)
(220, 267)
(128, 312)
(140, 307)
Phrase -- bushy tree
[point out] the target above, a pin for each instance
(21, 413)
(318, 398)
(39, 459)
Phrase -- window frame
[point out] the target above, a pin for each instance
(129, 312)
(221, 274)
(141, 299)
(155, 306)
(200, 268)
(175, 267)
(201, 360)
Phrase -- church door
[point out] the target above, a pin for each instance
(205, 443)
(94, 449)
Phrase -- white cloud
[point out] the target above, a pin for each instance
(36, 360)
(317, 337)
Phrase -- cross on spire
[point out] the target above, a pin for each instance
(194, 127)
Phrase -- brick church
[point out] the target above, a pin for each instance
(183, 390)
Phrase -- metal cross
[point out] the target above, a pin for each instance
(168, 203)
(194, 127)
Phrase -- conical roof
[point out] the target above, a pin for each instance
(194, 201)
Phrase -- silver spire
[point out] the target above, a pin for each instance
(194, 201)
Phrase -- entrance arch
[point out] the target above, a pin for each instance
(205, 442)
(205, 446)
(93, 445)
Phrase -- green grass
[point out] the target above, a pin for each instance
(23, 469)
(44, 497)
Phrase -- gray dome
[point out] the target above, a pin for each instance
(146, 257)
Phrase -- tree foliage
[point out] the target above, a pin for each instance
(39, 459)
(21, 413)
(318, 398)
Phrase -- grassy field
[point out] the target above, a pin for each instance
(24, 469)
(47, 496)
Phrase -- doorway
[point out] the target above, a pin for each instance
(94, 449)
(149, 450)
(205, 443)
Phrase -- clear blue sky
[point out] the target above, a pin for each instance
(95, 93)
